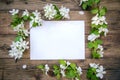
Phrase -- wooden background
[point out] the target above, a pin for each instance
(9, 70)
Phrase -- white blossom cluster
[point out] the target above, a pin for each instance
(98, 20)
(17, 48)
(36, 19)
(99, 70)
(65, 12)
(51, 12)
(46, 69)
(20, 27)
(63, 68)
(14, 11)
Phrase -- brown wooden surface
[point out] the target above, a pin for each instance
(9, 70)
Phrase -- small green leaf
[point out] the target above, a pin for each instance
(98, 41)
(90, 45)
(70, 74)
(58, 76)
(94, 77)
(73, 66)
(62, 62)
(58, 16)
(18, 38)
(94, 11)
(40, 67)
(102, 11)
(96, 32)
(95, 45)
(84, 6)
(56, 8)
(35, 24)
(95, 55)
(104, 25)
(55, 67)
(97, 1)
(25, 18)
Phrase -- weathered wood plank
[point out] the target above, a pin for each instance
(39, 4)
(1, 74)
(111, 45)
(37, 75)
(108, 63)
(113, 19)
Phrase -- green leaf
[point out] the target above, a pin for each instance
(90, 45)
(40, 67)
(35, 24)
(62, 62)
(104, 25)
(58, 16)
(73, 66)
(98, 41)
(25, 18)
(94, 11)
(18, 38)
(96, 32)
(95, 55)
(90, 2)
(57, 9)
(94, 77)
(97, 1)
(55, 67)
(102, 11)
(70, 74)
(95, 45)
(58, 76)
(91, 74)
(84, 6)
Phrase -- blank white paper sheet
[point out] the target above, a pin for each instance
(56, 40)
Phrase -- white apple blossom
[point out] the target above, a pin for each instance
(79, 70)
(14, 11)
(100, 50)
(17, 49)
(105, 30)
(36, 18)
(25, 32)
(65, 12)
(100, 53)
(25, 13)
(62, 67)
(76, 79)
(92, 37)
(68, 63)
(99, 20)
(63, 73)
(93, 65)
(46, 69)
(81, 1)
(100, 47)
(19, 27)
(50, 11)
(100, 71)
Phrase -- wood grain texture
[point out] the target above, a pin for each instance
(39, 4)
(113, 19)
(111, 46)
(36, 75)
(10, 63)
(9, 70)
